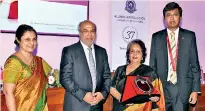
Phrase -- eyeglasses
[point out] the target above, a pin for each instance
(135, 52)
(172, 15)
(85, 32)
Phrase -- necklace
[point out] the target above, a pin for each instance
(26, 60)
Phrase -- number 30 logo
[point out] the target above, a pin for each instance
(129, 34)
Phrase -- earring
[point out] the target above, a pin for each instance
(17, 39)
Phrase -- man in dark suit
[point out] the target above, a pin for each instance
(85, 72)
(174, 57)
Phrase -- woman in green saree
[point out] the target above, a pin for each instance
(136, 54)
(25, 75)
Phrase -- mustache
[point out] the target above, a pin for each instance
(172, 22)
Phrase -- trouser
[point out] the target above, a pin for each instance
(172, 99)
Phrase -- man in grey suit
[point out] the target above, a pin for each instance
(174, 57)
(85, 72)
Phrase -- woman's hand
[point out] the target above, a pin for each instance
(154, 99)
(115, 93)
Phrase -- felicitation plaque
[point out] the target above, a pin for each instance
(138, 89)
(144, 85)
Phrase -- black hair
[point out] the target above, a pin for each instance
(21, 30)
(143, 48)
(171, 6)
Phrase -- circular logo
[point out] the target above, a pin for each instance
(129, 34)
(130, 6)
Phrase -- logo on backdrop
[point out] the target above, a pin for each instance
(129, 34)
(130, 6)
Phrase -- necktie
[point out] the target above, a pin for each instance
(92, 69)
(173, 75)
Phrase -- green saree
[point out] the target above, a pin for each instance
(30, 80)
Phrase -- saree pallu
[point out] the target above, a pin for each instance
(30, 93)
(148, 105)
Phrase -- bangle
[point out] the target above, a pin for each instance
(119, 99)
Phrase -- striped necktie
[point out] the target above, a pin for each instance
(92, 69)
(173, 75)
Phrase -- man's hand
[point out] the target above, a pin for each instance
(97, 98)
(193, 98)
(89, 98)
(154, 99)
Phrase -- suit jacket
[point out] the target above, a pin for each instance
(75, 77)
(188, 69)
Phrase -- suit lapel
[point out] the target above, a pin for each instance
(180, 46)
(164, 45)
(83, 59)
(97, 55)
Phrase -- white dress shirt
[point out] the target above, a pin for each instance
(85, 48)
(93, 74)
(176, 32)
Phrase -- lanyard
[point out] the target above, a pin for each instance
(173, 59)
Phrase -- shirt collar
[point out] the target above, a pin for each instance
(176, 31)
(85, 46)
